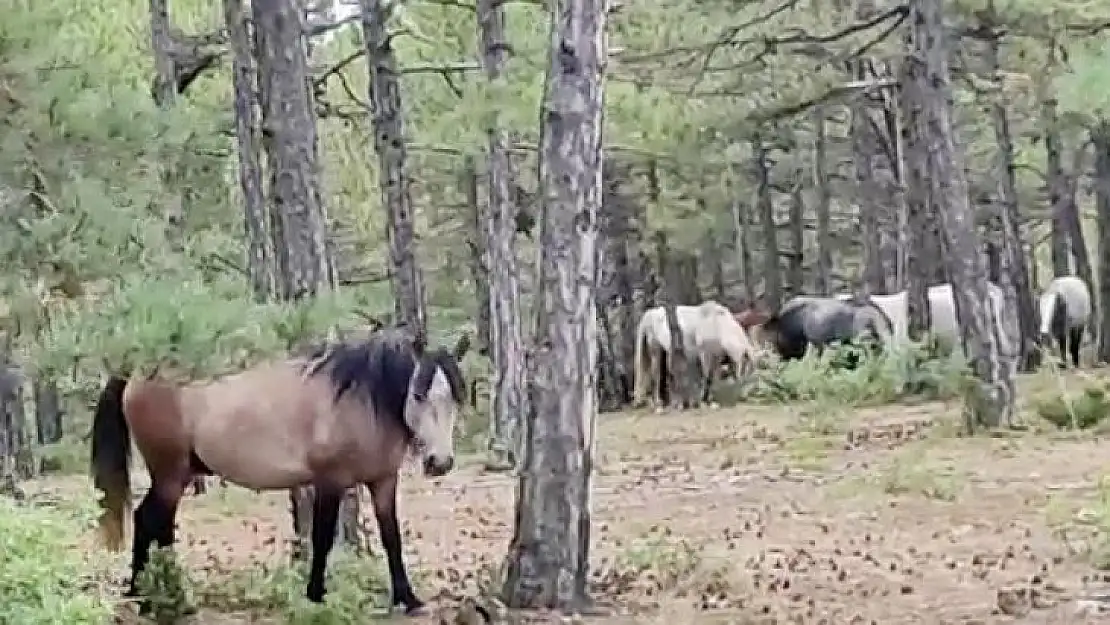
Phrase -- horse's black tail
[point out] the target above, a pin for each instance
(111, 461)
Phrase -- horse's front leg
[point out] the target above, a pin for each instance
(384, 496)
(325, 516)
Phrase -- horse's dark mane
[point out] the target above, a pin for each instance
(378, 369)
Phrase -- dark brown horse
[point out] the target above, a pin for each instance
(343, 415)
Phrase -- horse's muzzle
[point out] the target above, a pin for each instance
(435, 466)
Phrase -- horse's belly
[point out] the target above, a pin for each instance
(257, 466)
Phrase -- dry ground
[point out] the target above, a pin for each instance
(767, 515)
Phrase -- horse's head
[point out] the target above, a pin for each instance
(436, 395)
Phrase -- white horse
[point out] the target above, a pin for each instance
(1065, 309)
(709, 332)
(943, 324)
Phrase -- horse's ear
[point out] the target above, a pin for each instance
(462, 346)
(419, 343)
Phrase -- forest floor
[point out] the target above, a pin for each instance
(750, 514)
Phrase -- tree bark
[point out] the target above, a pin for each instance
(796, 267)
(1014, 275)
(772, 276)
(298, 220)
(389, 142)
(926, 85)
(507, 392)
(17, 460)
(824, 201)
(1100, 136)
(260, 252)
(549, 554)
(1057, 177)
(48, 410)
(479, 257)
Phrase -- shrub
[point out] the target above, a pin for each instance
(46, 578)
(875, 378)
(1081, 410)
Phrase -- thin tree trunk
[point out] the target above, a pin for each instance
(869, 198)
(507, 393)
(824, 201)
(479, 256)
(772, 276)
(260, 253)
(927, 85)
(795, 267)
(48, 410)
(1057, 177)
(548, 561)
(1015, 280)
(389, 142)
(165, 95)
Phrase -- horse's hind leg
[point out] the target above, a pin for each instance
(1075, 338)
(154, 523)
(384, 495)
(325, 516)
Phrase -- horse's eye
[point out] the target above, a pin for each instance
(420, 396)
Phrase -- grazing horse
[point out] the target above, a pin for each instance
(343, 415)
(709, 331)
(820, 321)
(1065, 312)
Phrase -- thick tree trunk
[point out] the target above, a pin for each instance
(1073, 223)
(507, 393)
(869, 198)
(260, 252)
(299, 222)
(17, 461)
(389, 142)
(548, 562)
(1014, 270)
(772, 275)
(824, 201)
(1100, 135)
(927, 87)
(742, 241)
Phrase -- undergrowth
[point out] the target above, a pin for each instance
(829, 378)
(46, 577)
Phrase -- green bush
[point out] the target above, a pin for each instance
(45, 577)
(1081, 410)
(877, 378)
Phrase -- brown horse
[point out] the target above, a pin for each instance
(343, 415)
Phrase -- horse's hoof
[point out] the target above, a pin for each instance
(315, 594)
(412, 606)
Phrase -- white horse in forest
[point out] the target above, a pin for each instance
(1065, 309)
(709, 332)
(943, 324)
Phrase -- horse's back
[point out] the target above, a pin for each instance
(1076, 295)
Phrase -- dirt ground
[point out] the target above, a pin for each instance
(768, 515)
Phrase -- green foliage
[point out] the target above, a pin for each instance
(47, 577)
(356, 585)
(877, 378)
(165, 587)
(1081, 411)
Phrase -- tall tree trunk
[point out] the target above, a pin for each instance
(1100, 135)
(927, 84)
(260, 252)
(389, 141)
(479, 256)
(48, 409)
(548, 561)
(824, 202)
(507, 393)
(795, 267)
(869, 198)
(772, 275)
(16, 456)
(298, 217)
(1073, 222)
(742, 241)
(1014, 276)
(1057, 177)
(165, 94)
